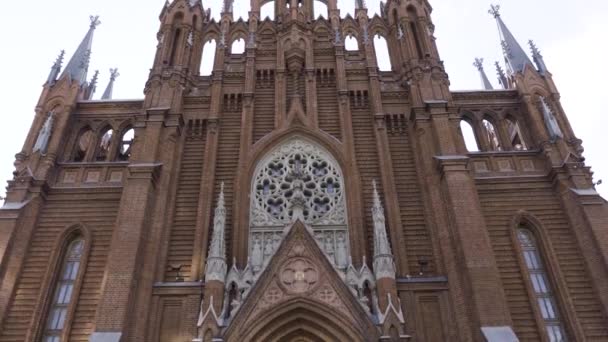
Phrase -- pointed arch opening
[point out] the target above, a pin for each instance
(351, 43)
(64, 289)
(414, 32)
(305, 318)
(104, 144)
(208, 59)
(238, 47)
(468, 134)
(383, 58)
(515, 136)
(126, 142)
(543, 294)
(83, 144)
(492, 135)
(298, 180)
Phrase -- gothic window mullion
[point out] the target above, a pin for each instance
(544, 299)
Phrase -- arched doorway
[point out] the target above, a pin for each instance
(303, 320)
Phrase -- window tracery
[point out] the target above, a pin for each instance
(64, 292)
(543, 292)
(298, 179)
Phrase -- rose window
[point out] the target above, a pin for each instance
(298, 179)
(298, 169)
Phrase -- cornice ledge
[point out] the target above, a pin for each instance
(589, 196)
(452, 163)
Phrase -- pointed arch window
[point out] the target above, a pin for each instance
(468, 133)
(383, 58)
(492, 136)
(208, 58)
(64, 291)
(413, 29)
(126, 142)
(104, 145)
(83, 143)
(238, 47)
(543, 292)
(515, 136)
(351, 43)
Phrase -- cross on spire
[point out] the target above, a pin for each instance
(94, 21)
(478, 64)
(495, 10)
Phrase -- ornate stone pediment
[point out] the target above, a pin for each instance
(300, 282)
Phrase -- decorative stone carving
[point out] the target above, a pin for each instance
(298, 181)
(550, 120)
(384, 266)
(216, 261)
(45, 134)
(299, 276)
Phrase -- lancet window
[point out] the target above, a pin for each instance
(83, 142)
(63, 292)
(298, 180)
(543, 292)
(126, 142)
(104, 146)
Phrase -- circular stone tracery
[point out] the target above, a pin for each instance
(295, 168)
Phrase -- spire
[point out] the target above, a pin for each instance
(56, 69)
(538, 58)
(502, 78)
(485, 82)
(107, 95)
(384, 267)
(360, 4)
(78, 66)
(216, 261)
(92, 87)
(515, 57)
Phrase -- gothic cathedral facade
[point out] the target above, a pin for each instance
(301, 193)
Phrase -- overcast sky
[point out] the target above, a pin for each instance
(570, 35)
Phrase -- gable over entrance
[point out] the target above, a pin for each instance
(300, 297)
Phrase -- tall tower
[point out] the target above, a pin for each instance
(316, 186)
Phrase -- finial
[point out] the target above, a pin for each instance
(92, 86)
(228, 6)
(360, 4)
(478, 64)
(377, 202)
(56, 68)
(114, 74)
(535, 50)
(495, 10)
(107, 94)
(485, 82)
(502, 78)
(538, 57)
(94, 21)
(60, 58)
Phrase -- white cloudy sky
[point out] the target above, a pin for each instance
(570, 35)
